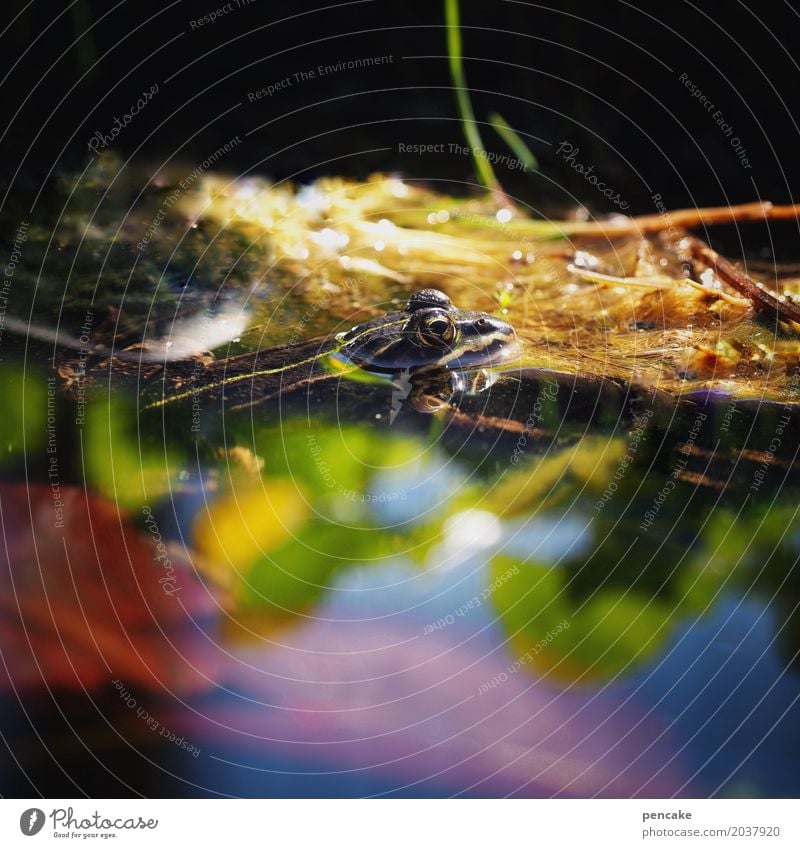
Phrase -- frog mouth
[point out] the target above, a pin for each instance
(503, 348)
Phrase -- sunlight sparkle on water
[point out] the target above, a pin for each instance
(398, 188)
(470, 531)
(330, 239)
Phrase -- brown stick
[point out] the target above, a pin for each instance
(685, 219)
(761, 298)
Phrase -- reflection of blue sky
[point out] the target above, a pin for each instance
(412, 492)
(366, 669)
(552, 538)
(454, 574)
(734, 705)
(715, 690)
(713, 712)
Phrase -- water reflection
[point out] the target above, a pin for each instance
(364, 612)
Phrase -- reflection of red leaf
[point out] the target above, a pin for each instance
(81, 604)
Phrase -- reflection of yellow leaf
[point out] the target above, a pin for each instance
(242, 525)
(597, 462)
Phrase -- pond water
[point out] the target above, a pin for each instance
(229, 577)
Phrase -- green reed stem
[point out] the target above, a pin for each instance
(513, 139)
(483, 169)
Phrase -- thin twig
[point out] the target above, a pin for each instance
(762, 299)
(678, 219)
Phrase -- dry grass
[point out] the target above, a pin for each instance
(602, 298)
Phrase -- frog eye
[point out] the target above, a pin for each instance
(436, 329)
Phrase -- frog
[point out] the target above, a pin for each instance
(429, 335)
(432, 349)
(428, 349)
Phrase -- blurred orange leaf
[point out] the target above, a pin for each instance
(81, 601)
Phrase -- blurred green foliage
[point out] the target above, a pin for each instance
(24, 421)
(125, 464)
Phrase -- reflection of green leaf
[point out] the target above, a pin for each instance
(345, 370)
(761, 542)
(569, 637)
(24, 419)
(329, 485)
(293, 577)
(748, 538)
(330, 461)
(123, 468)
(700, 582)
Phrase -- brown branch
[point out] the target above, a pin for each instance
(762, 299)
(685, 219)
